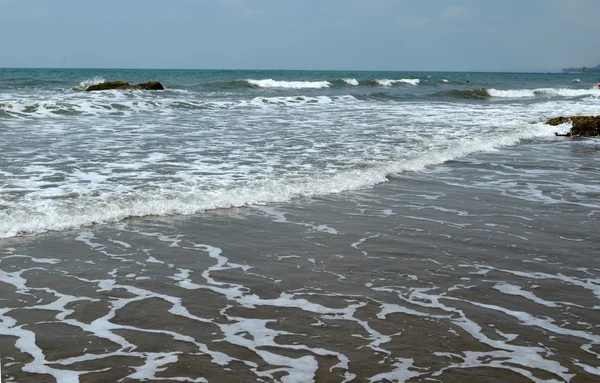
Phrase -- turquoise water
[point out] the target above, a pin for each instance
(52, 79)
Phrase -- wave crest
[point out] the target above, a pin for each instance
(270, 83)
(350, 81)
(466, 94)
(483, 93)
(550, 92)
(388, 82)
(91, 81)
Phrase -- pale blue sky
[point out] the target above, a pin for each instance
(453, 35)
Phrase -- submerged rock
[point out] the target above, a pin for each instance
(151, 85)
(586, 126)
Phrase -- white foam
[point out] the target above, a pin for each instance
(515, 93)
(39, 215)
(260, 335)
(507, 288)
(589, 369)
(26, 340)
(51, 261)
(152, 159)
(350, 81)
(404, 371)
(294, 359)
(121, 243)
(295, 101)
(154, 363)
(590, 284)
(109, 103)
(564, 92)
(270, 83)
(546, 323)
(528, 357)
(92, 81)
(280, 217)
(549, 92)
(388, 82)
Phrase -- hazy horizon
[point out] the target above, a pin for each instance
(540, 71)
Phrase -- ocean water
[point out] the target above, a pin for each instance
(298, 226)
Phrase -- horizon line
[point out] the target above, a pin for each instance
(560, 71)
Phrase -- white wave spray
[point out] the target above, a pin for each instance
(270, 83)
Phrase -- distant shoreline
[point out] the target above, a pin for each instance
(595, 69)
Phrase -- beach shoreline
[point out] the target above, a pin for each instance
(406, 280)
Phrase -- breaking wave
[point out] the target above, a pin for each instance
(388, 82)
(89, 82)
(270, 83)
(466, 94)
(121, 104)
(547, 92)
(336, 82)
(63, 213)
(483, 93)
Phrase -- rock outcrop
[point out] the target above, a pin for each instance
(586, 126)
(151, 85)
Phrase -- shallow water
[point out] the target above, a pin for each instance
(482, 268)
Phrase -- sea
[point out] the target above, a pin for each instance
(298, 226)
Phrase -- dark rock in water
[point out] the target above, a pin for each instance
(108, 85)
(151, 85)
(586, 126)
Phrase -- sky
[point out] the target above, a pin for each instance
(412, 35)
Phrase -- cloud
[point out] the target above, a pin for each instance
(453, 12)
